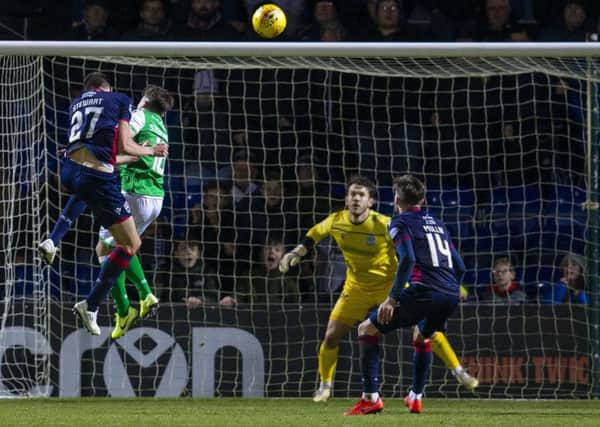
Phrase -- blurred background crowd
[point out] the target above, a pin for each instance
(308, 20)
(260, 155)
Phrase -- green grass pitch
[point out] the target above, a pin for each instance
(107, 412)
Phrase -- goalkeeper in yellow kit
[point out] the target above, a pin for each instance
(371, 265)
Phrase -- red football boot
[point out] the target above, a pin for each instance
(356, 409)
(414, 405)
(366, 407)
(372, 407)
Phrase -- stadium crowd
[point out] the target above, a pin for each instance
(247, 178)
(308, 20)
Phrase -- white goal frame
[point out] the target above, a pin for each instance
(336, 56)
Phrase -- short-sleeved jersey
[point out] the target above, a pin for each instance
(94, 118)
(366, 247)
(145, 176)
(431, 243)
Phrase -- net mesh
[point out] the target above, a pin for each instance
(22, 178)
(260, 149)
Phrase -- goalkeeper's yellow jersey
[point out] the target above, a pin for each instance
(367, 248)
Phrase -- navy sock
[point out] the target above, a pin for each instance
(421, 363)
(115, 263)
(74, 207)
(369, 362)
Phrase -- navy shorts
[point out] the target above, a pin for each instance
(101, 191)
(422, 306)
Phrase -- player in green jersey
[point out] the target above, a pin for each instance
(142, 183)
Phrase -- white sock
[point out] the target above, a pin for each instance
(458, 370)
(419, 396)
(371, 397)
(412, 395)
(325, 384)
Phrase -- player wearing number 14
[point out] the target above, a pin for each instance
(428, 261)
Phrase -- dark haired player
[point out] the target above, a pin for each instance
(99, 130)
(428, 261)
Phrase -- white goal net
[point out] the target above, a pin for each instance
(262, 141)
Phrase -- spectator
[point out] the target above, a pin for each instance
(504, 289)
(205, 89)
(389, 24)
(205, 23)
(234, 12)
(428, 23)
(154, 251)
(496, 26)
(326, 24)
(268, 212)
(154, 24)
(372, 9)
(243, 176)
(571, 287)
(268, 285)
(185, 281)
(124, 15)
(244, 191)
(212, 226)
(335, 33)
(312, 201)
(573, 27)
(94, 26)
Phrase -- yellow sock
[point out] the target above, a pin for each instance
(327, 362)
(442, 349)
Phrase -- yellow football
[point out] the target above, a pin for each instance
(269, 21)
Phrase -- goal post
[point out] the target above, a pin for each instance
(505, 136)
(593, 204)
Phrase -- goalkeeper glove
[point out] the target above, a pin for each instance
(292, 258)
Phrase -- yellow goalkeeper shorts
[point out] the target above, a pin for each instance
(356, 301)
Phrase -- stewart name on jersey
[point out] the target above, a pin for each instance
(95, 116)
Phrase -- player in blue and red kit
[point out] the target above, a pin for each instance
(428, 261)
(99, 130)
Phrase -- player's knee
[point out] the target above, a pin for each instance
(420, 339)
(331, 339)
(333, 334)
(133, 245)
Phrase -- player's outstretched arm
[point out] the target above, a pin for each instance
(123, 159)
(292, 258)
(313, 236)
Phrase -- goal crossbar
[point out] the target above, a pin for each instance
(301, 49)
